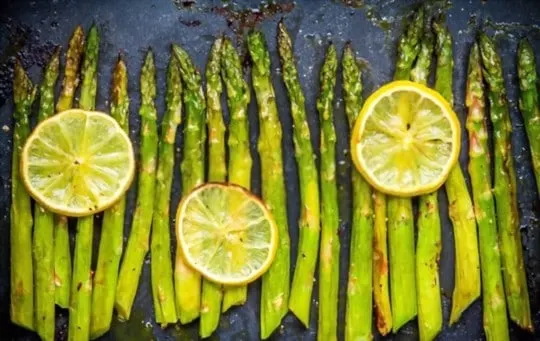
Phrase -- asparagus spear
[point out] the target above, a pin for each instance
(329, 253)
(493, 302)
(73, 61)
(359, 289)
(87, 100)
(515, 281)
(528, 102)
(62, 253)
(112, 230)
(275, 282)
(460, 209)
(309, 223)
(400, 217)
(381, 292)
(21, 274)
(43, 239)
(138, 241)
(186, 280)
(162, 276)
(428, 248)
(211, 292)
(238, 97)
(81, 283)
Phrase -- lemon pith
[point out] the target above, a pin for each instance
(406, 139)
(226, 233)
(77, 162)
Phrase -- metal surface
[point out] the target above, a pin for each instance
(29, 29)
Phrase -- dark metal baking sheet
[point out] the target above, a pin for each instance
(30, 30)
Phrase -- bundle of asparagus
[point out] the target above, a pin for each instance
(414, 281)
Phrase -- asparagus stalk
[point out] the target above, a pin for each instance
(73, 60)
(186, 280)
(211, 292)
(428, 248)
(359, 289)
(400, 216)
(162, 276)
(276, 281)
(329, 253)
(21, 274)
(515, 281)
(460, 209)
(238, 97)
(112, 230)
(309, 222)
(493, 302)
(528, 102)
(381, 292)
(81, 284)
(62, 253)
(138, 241)
(87, 99)
(43, 241)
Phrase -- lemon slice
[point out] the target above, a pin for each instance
(406, 139)
(226, 233)
(77, 163)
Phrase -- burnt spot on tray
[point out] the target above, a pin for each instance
(242, 20)
(190, 23)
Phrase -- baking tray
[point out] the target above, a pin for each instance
(31, 29)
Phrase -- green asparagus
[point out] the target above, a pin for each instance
(359, 290)
(138, 241)
(528, 102)
(112, 230)
(460, 208)
(21, 274)
(493, 302)
(381, 292)
(238, 97)
(428, 247)
(62, 253)
(276, 281)
(43, 241)
(212, 293)
(81, 284)
(515, 281)
(329, 253)
(400, 216)
(309, 223)
(71, 73)
(186, 280)
(161, 267)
